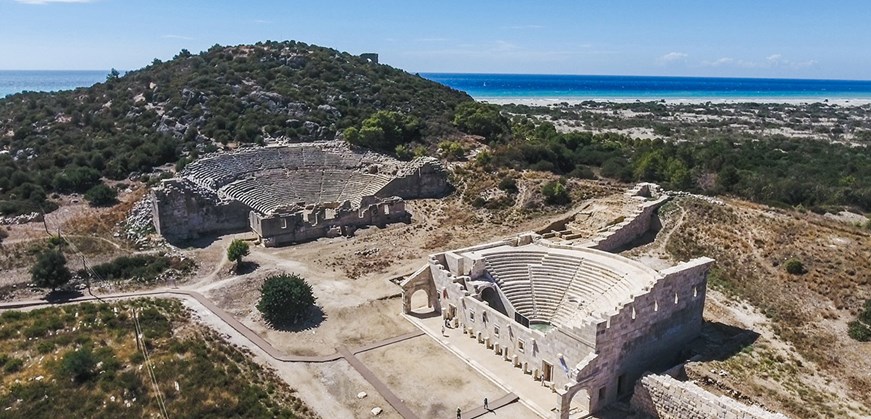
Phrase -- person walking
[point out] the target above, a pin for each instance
(459, 413)
(486, 407)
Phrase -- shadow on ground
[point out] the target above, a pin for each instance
(246, 267)
(424, 315)
(315, 317)
(57, 297)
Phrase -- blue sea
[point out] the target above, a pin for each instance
(12, 81)
(505, 87)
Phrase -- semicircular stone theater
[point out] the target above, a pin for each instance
(583, 321)
(292, 193)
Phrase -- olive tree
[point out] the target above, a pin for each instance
(237, 250)
(285, 299)
(50, 270)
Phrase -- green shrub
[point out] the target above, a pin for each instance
(794, 267)
(143, 268)
(13, 365)
(508, 184)
(555, 193)
(451, 150)
(79, 365)
(101, 196)
(285, 299)
(481, 119)
(859, 331)
(384, 130)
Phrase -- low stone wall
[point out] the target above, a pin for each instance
(319, 221)
(628, 230)
(662, 396)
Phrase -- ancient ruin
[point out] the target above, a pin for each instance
(582, 321)
(292, 193)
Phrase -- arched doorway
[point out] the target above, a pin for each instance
(575, 403)
(420, 302)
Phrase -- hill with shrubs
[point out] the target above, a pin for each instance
(174, 111)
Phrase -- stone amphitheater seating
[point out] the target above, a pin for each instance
(555, 287)
(269, 178)
(268, 190)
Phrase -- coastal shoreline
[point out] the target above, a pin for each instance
(718, 101)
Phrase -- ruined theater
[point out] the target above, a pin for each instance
(573, 315)
(292, 193)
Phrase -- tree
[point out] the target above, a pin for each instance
(101, 196)
(50, 270)
(237, 250)
(385, 130)
(480, 119)
(285, 299)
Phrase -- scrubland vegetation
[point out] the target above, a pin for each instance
(84, 360)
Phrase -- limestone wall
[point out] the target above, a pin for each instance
(525, 348)
(421, 178)
(183, 211)
(662, 396)
(645, 333)
(630, 229)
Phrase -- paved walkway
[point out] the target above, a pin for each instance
(256, 340)
(379, 385)
(491, 406)
(540, 400)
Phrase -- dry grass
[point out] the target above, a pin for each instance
(808, 312)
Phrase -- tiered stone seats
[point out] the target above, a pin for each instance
(551, 280)
(267, 190)
(594, 288)
(510, 270)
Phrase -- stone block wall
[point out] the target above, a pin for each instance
(421, 178)
(662, 396)
(626, 231)
(183, 211)
(647, 332)
(315, 222)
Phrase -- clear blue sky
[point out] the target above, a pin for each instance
(760, 38)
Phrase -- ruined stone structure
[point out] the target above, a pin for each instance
(582, 321)
(292, 193)
(642, 201)
(661, 396)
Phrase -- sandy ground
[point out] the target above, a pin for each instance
(414, 368)
(330, 389)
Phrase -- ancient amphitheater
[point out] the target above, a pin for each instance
(292, 193)
(576, 318)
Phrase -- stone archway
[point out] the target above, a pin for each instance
(421, 280)
(421, 303)
(575, 402)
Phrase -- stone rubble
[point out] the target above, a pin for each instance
(21, 219)
(138, 226)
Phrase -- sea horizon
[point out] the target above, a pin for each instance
(537, 89)
(18, 81)
(555, 88)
